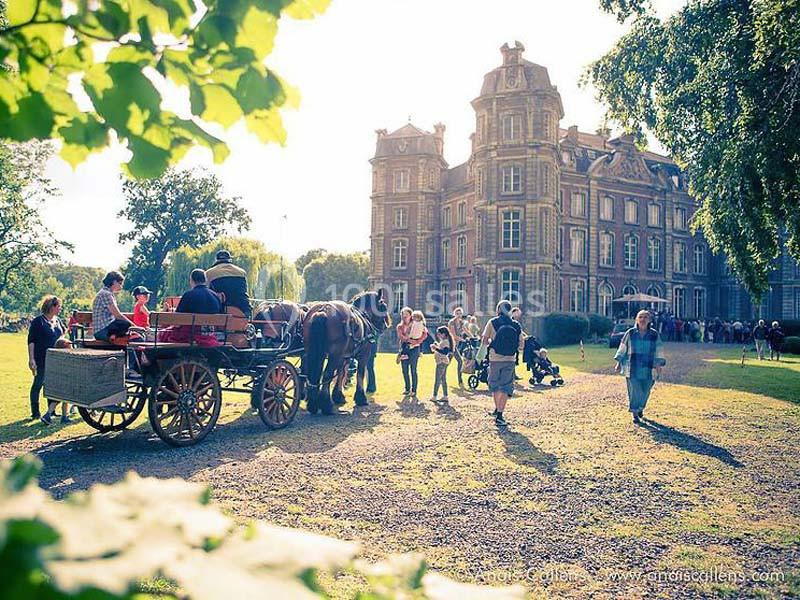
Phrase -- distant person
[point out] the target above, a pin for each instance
(504, 339)
(107, 320)
(442, 354)
(72, 326)
(412, 351)
(46, 331)
(775, 338)
(226, 278)
(458, 331)
(760, 332)
(639, 354)
(141, 314)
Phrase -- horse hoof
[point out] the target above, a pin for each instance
(360, 398)
(338, 398)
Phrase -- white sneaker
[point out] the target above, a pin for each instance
(432, 399)
(444, 400)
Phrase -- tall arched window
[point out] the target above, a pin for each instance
(654, 254)
(629, 290)
(577, 295)
(631, 251)
(605, 294)
(606, 249)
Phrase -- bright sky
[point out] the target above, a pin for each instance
(362, 66)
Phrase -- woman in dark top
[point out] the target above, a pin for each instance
(46, 331)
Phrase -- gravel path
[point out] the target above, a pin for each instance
(568, 499)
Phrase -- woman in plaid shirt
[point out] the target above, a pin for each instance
(639, 353)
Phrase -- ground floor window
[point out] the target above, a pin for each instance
(604, 296)
(679, 302)
(399, 295)
(577, 296)
(699, 303)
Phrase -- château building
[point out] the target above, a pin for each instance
(556, 219)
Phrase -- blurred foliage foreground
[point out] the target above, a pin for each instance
(115, 541)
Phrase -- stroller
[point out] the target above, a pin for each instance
(480, 374)
(535, 357)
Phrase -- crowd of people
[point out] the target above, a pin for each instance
(501, 341)
(223, 288)
(762, 334)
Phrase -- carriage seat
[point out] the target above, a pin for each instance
(84, 333)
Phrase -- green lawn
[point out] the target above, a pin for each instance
(709, 483)
(721, 369)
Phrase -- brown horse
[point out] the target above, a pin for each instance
(338, 331)
(281, 311)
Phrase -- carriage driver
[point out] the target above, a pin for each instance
(226, 278)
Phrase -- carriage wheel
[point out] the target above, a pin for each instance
(121, 416)
(473, 382)
(277, 394)
(185, 402)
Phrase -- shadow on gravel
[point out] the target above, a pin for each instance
(413, 407)
(688, 442)
(523, 452)
(79, 462)
(447, 411)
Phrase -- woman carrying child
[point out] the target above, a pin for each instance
(442, 353)
(411, 332)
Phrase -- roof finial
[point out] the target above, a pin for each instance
(409, 118)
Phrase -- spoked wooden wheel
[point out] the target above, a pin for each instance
(277, 394)
(185, 403)
(119, 416)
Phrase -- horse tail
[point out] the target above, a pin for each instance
(316, 347)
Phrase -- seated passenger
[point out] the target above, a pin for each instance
(226, 278)
(107, 320)
(198, 300)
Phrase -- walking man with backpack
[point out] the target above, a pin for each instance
(504, 338)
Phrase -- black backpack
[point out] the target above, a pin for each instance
(506, 336)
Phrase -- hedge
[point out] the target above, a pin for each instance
(791, 345)
(599, 325)
(561, 329)
(791, 327)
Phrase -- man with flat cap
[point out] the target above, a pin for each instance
(226, 278)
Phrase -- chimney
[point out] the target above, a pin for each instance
(572, 133)
(381, 133)
(438, 136)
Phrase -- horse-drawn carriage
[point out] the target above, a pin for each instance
(181, 382)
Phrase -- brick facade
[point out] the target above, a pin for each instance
(563, 220)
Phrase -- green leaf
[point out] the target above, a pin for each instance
(196, 99)
(20, 11)
(148, 161)
(193, 131)
(267, 125)
(255, 91)
(257, 31)
(113, 18)
(306, 9)
(220, 106)
(34, 119)
(83, 135)
(19, 473)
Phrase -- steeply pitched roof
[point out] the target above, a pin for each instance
(455, 177)
(409, 139)
(408, 130)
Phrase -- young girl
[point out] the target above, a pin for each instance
(442, 352)
(416, 334)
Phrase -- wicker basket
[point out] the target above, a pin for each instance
(85, 377)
